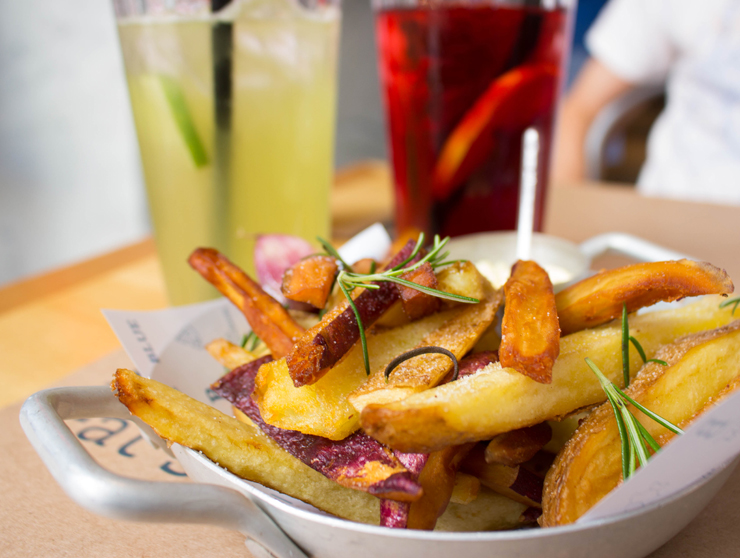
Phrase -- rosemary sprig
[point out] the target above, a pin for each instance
(734, 302)
(251, 336)
(348, 280)
(636, 440)
(626, 340)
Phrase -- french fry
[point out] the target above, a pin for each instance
(357, 461)
(325, 344)
(497, 400)
(515, 482)
(703, 369)
(310, 280)
(518, 446)
(437, 478)
(462, 278)
(267, 318)
(530, 335)
(417, 304)
(322, 408)
(599, 298)
(458, 335)
(242, 449)
(229, 355)
(466, 489)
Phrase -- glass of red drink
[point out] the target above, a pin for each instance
(462, 81)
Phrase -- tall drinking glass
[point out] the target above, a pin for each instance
(234, 106)
(462, 81)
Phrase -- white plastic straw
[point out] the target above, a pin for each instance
(527, 190)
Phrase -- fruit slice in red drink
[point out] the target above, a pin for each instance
(512, 101)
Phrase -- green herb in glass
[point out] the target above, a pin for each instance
(349, 280)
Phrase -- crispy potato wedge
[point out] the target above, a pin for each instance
(229, 355)
(270, 321)
(322, 408)
(701, 367)
(310, 280)
(498, 399)
(458, 335)
(599, 298)
(239, 447)
(530, 335)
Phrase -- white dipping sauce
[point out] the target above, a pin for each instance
(498, 272)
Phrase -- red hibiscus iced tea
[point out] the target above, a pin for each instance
(462, 81)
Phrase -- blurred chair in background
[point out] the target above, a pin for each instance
(693, 150)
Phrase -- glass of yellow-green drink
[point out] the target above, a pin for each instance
(234, 106)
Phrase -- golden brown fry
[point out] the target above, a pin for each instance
(239, 447)
(268, 319)
(466, 488)
(437, 479)
(517, 446)
(310, 280)
(599, 298)
(322, 408)
(458, 335)
(229, 355)
(497, 399)
(530, 335)
(461, 278)
(417, 304)
(515, 482)
(703, 368)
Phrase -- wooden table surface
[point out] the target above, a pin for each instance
(51, 325)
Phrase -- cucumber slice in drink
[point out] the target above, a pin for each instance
(181, 114)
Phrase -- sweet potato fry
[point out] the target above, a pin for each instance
(461, 411)
(241, 448)
(325, 344)
(530, 335)
(517, 482)
(599, 298)
(517, 446)
(703, 369)
(458, 335)
(267, 318)
(310, 280)
(357, 462)
(437, 478)
(417, 304)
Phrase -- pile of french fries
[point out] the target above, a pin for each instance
(495, 446)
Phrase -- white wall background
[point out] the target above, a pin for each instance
(70, 180)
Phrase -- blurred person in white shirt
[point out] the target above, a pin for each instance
(693, 150)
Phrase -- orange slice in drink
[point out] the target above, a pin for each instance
(512, 101)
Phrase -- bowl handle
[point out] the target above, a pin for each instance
(108, 494)
(628, 245)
